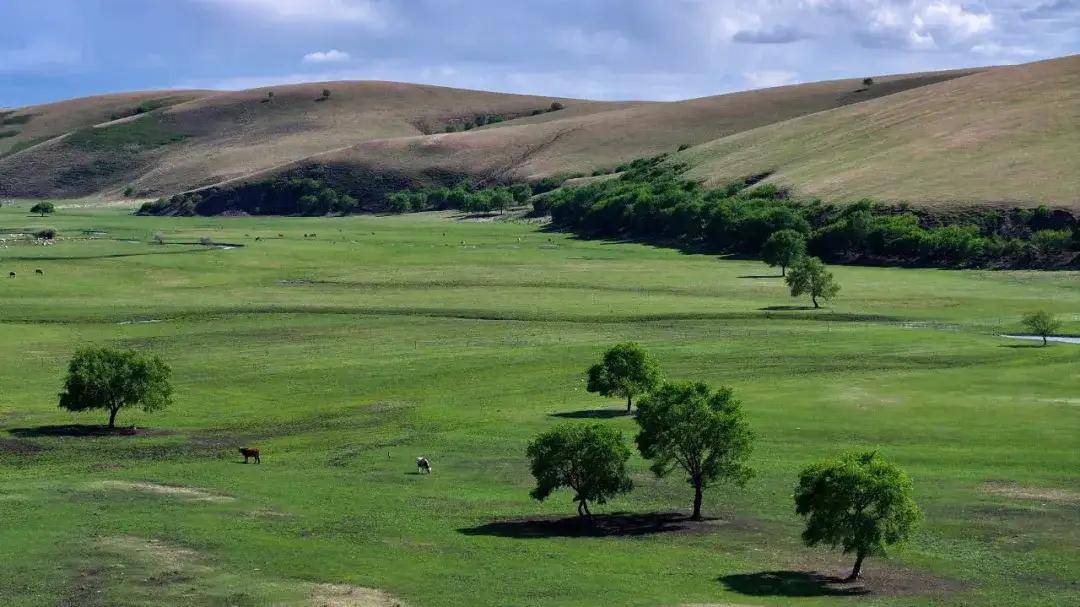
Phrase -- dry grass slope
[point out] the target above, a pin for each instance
(1008, 136)
(378, 128)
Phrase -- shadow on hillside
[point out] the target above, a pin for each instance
(82, 430)
(618, 524)
(789, 308)
(789, 583)
(762, 276)
(1024, 346)
(592, 414)
(103, 256)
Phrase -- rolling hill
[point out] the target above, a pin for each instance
(978, 136)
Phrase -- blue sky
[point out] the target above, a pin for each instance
(605, 49)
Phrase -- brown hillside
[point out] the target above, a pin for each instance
(384, 125)
(1007, 137)
(30, 125)
(549, 144)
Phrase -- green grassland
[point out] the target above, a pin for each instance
(345, 356)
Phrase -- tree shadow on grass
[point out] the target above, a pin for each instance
(782, 308)
(789, 583)
(762, 276)
(617, 524)
(1021, 346)
(77, 430)
(592, 414)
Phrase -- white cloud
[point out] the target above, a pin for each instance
(762, 79)
(364, 12)
(331, 56)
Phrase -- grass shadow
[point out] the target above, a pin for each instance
(80, 430)
(1022, 346)
(762, 276)
(592, 414)
(782, 308)
(617, 524)
(789, 583)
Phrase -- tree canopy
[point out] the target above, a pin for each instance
(809, 276)
(685, 425)
(106, 378)
(859, 503)
(1042, 323)
(783, 248)
(626, 370)
(588, 458)
(43, 208)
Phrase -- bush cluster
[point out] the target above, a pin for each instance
(463, 196)
(650, 199)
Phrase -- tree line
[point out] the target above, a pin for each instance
(651, 199)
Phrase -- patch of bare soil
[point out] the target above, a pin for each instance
(344, 595)
(1013, 490)
(186, 493)
(600, 525)
(15, 446)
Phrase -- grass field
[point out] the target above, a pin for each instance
(346, 356)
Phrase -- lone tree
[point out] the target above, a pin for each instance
(43, 208)
(867, 81)
(859, 503)
(105, 378)
(626, 370)
(685, 425)
(1042, 323)
(809, 276)
(588, 458)
(326, 93)
(784, 248)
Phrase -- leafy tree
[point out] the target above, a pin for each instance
(810, 276)
(589, 459)
(1042, 323)
(43, 208)
(784, 248)
(626, 370)
(685, 425)
(326, 93)
(867, 81)
(501, 199)
(106, 378)
(555, 106)
(399, 202)
(859, 503)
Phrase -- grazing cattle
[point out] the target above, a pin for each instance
(423, 466)
(248, 452)
(39, 272)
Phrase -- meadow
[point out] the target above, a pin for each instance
(346, 355)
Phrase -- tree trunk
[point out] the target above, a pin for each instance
(1044, 340)
(629, 403)
(112, 417)
(813, 298)
(697, 501)
(857, 569)
(783, 271)
(583, 509)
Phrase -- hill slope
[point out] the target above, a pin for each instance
(379, 127)
(1008, 136)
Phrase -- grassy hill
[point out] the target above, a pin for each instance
(1007, 136)
(384, 127)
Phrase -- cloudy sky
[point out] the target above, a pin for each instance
(607, 49)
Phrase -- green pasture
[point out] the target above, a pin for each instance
(346, 355)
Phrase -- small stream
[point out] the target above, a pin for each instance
(1062, 339)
